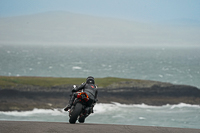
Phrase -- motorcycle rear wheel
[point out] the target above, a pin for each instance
(82, 119)
(76, 112)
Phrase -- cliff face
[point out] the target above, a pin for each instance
(27, 97)
(154, 95)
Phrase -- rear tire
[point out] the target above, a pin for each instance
(76, 112)
(82, 119)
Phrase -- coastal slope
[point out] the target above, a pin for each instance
(27, 93)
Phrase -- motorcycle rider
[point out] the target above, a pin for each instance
(90, 88)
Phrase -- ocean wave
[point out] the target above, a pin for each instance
(99, 108)
(116, 113)
(53, 112)
(114, 106)
(183, 105)
(180, 105)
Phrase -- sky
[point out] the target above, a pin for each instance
(139, 10)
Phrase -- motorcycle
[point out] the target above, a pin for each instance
(79, 109)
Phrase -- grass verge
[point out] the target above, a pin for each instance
(11, 81)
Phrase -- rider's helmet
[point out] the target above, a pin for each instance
(90, 80)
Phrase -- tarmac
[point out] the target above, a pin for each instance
(61, 127)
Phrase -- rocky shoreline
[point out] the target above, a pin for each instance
(28, 97)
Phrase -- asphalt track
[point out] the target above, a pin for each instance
(58, 127)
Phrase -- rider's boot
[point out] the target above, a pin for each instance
(67, 107)
(92, 111)
(70, 103)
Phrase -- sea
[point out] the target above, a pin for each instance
(173, 64)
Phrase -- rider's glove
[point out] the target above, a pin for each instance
(73, 90)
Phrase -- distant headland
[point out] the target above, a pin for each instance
(27, 93)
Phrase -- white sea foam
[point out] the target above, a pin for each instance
(114, 106)
(50, 67)
(76, 68)
(145, 106)
(142, 118)
(99, 108)
(35, 111)
(183, 105)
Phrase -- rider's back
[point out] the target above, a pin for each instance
(91, 90)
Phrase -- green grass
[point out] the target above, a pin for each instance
(50, 81)
(103, 82)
